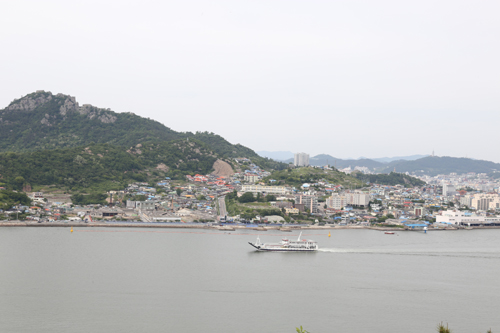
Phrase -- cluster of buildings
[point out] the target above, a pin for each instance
(467, 200)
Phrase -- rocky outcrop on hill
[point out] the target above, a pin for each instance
(66, 105)
(42, 120)
(30, 102)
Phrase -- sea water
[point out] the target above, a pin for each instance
(178, 280)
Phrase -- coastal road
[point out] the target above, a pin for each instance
(222, 206)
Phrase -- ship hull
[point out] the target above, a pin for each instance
(261, 248)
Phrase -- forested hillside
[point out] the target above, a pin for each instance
(390, 179)
(8, 199)
(42, 120)
(103, 166)
(297, 177)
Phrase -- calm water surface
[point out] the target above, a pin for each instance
(157, 280)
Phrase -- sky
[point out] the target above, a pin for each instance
(346, 78)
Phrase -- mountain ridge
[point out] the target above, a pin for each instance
(42, 120)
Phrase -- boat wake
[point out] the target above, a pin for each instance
(346, 250)
(487, 255)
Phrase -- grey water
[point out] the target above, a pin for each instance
(178, 280)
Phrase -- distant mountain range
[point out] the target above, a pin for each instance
(398, 158)
(277, 155)
(419, 164)
(434, 165)
(286, 156)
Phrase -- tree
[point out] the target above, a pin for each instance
(232, 195)
(247, 197)
(441, 329)
(270, 197)
(178, 191)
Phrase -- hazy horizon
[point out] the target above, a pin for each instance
(355, 78)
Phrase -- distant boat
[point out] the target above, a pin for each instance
(389, 233)
(286, 245)
(226, 228)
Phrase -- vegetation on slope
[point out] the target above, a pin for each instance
(392, 179)
(100, 167)
(249, 206)
(48, 125)
(298, 176)
(222, 147)
(8, 199)
(42, 120)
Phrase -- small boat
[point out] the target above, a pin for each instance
(286, 245)
(389, 233)
(226, 228)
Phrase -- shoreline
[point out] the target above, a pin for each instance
(221, 228)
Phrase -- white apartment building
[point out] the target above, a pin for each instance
(466, 200)
(266, 189)
(483, 201)
(335, 201)
(301, 159)
(357, 198)
(250, 177)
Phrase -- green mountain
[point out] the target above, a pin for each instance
(325, 159)
(433, 165)
(101, 167)
(298, 176)
(42, 120)
(389, 179)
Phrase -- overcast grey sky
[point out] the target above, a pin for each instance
(346, 78)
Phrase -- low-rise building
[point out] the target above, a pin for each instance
(265, 189)
(458, 217)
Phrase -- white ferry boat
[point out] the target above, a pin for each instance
(287, 245)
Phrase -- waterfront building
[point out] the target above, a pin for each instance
(458, 217)
(301, 159)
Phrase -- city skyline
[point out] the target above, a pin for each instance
(345, 79)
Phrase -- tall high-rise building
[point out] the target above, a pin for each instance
(448, 190)
(301, 159)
